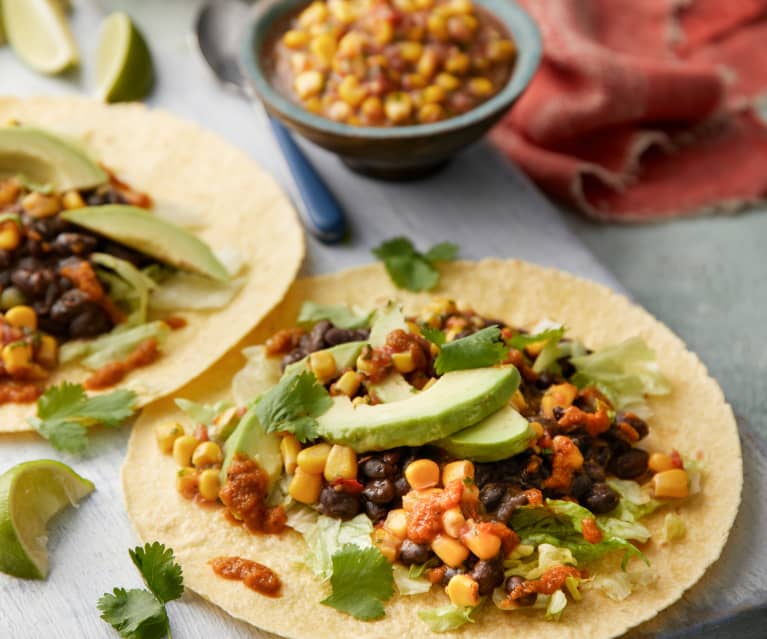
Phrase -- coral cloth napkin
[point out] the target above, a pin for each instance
(642, 109)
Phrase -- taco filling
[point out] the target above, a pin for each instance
(442, 450)
(82, 257)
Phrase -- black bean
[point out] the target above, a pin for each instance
(316, 337)
(376, 512)
(379, 491)
(91, 321)
(450, 573)
(488, 574)
(491, 494)
(125, 253)
(391, 456)
(413, 553)
(511, 501)
(637, 423)
(32, 281)
(594, 470)
(5, 258)
(377, 468)
(545, 380)
(402, 486)
(293, 356)
(338, 504)
(630, 464)
(558, 411)
(74, 244)
(581, 486)
(68, 305)
(601, 499)
(48, 227)
(512, 583)
(335, 336)
(618, 445)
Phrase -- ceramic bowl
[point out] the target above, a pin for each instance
(397, 152)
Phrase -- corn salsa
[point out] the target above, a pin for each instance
(391, 62)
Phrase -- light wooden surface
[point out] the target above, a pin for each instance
(479, 202)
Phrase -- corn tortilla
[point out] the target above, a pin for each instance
(232, 202)
(695, 419)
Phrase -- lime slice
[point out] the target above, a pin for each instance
(30, 494)
(40, 35)
(124, 70)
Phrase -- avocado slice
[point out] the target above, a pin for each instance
(393, 388)
(387, 319)
(503, 434)
(345, 354)
(250, 439)
(151, 235)
(457, 400)
(47, 159)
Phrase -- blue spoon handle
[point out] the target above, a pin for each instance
(319, 208)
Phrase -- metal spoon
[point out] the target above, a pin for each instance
(217, 29)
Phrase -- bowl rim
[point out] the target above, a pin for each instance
(521, 26)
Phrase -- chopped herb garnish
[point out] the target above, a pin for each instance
(483, 348)
(293, 406)
(362, 581)
(410, 269)
(434, 335)
(341, 316)
(141, 614)
(65, 412)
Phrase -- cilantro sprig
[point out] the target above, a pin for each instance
(410, 269)
(362, 581)
(480, 349)
(293, 406)
(65, 412)
(138, 613)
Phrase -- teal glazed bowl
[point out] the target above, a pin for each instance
(394, 152)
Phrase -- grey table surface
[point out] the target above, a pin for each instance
(705, 278)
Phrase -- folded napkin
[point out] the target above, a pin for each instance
(642, 109)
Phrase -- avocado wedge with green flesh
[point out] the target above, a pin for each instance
(141, 230)
(457, 400)
(250, 439)
(393, 388)
(46, 159)
(387, 319)
(503, 434)
(345, 356)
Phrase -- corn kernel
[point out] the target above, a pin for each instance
(207, 454)
(483, 544)
(305, 487)
(481, 87)
(410, 51)
(17, 356)
(387, 542)
(341, 463)
(561, 395)
(383, 32)
(449, 550)
(289, 448)
(47, 351)
(9, 191)
(372, 109)
(427, 65)
(501, 50)
(308, 84)
(461, 28)
(463, 591)
(453, 522)
(430, 113)
(396, 522)
(398, 106)
(470, 496)
(672, 483)
(209, 484)
(351, 91)
(424, 4)
(72, 200)
(10, 236)
(186, 481)
(22, 317)
(166, 434)
(340, 112)
(348, 384)
(324, 47)
(462, 469)
(38, 205)
(351, 45)
(315, 13)
(448, 82)
(359, 401)
(422, 474)
(183, 448)
(313, 459)
(413, 81)
(458, 63)
(300, 62)
(343, 11)
(295, 39)
(403, 362)
(660, 462)
(322, 363)
(437, 26)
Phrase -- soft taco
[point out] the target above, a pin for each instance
(528, 454)
(135, 250)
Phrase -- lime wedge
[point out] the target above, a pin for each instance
(124, 70)
(30, 494)
(40, 35)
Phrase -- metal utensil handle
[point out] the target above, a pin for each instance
(319, 206)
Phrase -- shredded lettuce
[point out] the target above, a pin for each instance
(257, 376)
(341, 316)
(556, 606)
(619, 585)
(113, 346)
(129, 288)
(407, 585)
(694, 470)
(192, 292)
(625, 373)
(417, 570)
(446, 618)
(673, 529)
(328, 535)
(549, 556)
(202, 413)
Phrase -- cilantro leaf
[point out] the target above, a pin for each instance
(293, 405)
(340, 315)
(362, 580)
(135, 614)
(158, 567)
(65, 411)
(520, 340)
(410, 269)
(483, 348)
(434, 335)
